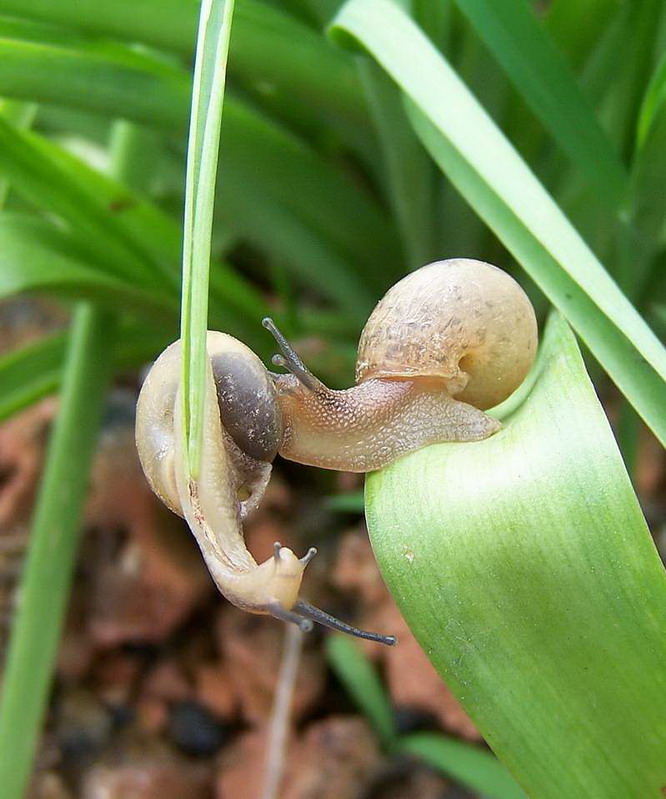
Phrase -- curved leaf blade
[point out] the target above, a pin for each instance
(525, 568)
(542, 77)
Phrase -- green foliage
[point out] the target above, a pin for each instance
(525, 568)
(470, 765)
(55, 532)
(339, 170)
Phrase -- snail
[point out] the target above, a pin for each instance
(446, 342)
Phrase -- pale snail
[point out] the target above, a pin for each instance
(445, 343)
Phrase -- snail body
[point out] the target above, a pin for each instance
(444, 343)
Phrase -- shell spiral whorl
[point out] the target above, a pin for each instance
(462, 320)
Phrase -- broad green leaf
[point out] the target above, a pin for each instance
(362, 683)
(488, 172)
(34, 256)
(542, 77)
(469, 765)
(51, 555)
(525, 569)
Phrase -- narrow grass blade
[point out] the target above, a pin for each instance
(362, 682)
(35, 371)
(271, 52)
(473, 153)
(30, 373)
(36, 174)
(409, 177)
(264, 163)
(469, 765)
(525, 568)
(39, 65)
(36, 256)
(653, 102)
(55, 527)
(542, 77)
(577, 27)
(202, 153)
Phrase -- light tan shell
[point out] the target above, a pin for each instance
(462, 320)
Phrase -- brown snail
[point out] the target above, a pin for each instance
(446, 342)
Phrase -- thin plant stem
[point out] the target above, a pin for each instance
(281, 715)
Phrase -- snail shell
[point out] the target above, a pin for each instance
(461, 320)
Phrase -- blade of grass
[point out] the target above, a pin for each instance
(50, 561)
(258, 156)
(210, 69)
(525, 569)
(410, 180)
(577, 27)
(362, 683)
(36, 256)
(30, 373)
(473, 153)
(270, 49)
(469, 765)
(35, 371)
(542, 77)
(653, 101)
(39, 178)
(20, 115)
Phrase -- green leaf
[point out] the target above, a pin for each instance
(44, 65)
(653, 102)
(32, 372)
(488, 172)
(210, 71)
(35, 256)
(525, 569)
(362, 683)
(542, 77)
(36, 173)
(467, 764)
(51, 556)
(272, 54)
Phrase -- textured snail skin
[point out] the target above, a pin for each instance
(447, 341)
(366, 427)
